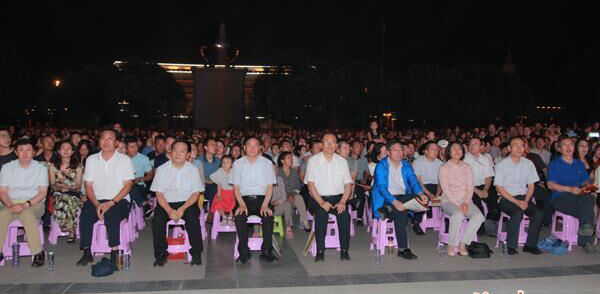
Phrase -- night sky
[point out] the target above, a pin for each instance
(554, 45)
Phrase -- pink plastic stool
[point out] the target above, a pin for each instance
(100, 239)
(219, 226)
(12, 238)
(55, 231)
(432, 219)
(131, 222)
(565, 228)
(444, 230)
(332, 238)
(383, 234)
(203, 223)
(177, 230)
(254, 243)
(353, 217)
(138, 216)
(502, 234)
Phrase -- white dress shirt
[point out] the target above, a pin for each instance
(23, 183)
(428, 170)
(482, 168)
(253, 178)
(514, 177)
(328, 176)
(396, 184)
(177, 184)
(108, 177)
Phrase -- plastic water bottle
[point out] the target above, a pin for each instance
(15, 254)
(503, 244)
(126, 262)
(120, 260)
(50, 261)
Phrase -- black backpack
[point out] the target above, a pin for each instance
(479, 250)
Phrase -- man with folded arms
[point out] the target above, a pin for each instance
(177, 185)
(330, 184)
(515, 182)
(23, 188)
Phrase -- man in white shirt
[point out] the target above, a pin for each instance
(177, 185)
(23, 188)
(330, 184)
(483, 172)
(108, 179)
(427, 170)
(253, 177)
(515, 181)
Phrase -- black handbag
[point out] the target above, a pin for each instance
(479, 250)
(103, 268)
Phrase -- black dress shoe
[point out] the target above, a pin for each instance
(417, 229)
(407, 254)
(114, 258)
(344, 255)
(39, 259)
(196, 260)
(242, 260)
(86, 258)
(532, 250)
(320, 256)
(268, 256)
(161, 260)
(512, 251)
(1, 257)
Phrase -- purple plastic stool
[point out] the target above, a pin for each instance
(220, 227)
(432, 219)
(332, 238)
(502, 235)
(565, 227)
(100, 239)
(383, 234)
(444, 230)
(12, 238)
(178, 229)
(55, 231)
(254, 243)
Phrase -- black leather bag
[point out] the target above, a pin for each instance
(103, 268)
(479, 250)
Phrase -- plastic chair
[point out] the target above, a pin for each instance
(432, 219)
(332, 238)
(502, 235)
(444, 230)
(12, 237)
(254, 243)
(100, 238)
(383, 234)
(565, 228)
(178, 240)
(219, 226)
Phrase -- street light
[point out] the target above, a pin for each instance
(57, 83)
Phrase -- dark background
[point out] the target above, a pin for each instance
(554, 44)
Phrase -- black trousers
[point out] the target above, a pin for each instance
(578, 206)
(359, 201)
(322, 218)
(418, 216)
(542, 201)
(536, 218)
(138, 194)
(491, 202)
(401, 220)
(112, 221)
(253, 203)
(192, 227)
(210, 190)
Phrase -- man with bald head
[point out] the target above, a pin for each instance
(329, 184)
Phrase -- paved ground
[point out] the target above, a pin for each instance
(294, 273)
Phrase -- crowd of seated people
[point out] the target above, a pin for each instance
(76, 177)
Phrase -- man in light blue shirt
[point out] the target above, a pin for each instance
(142, 168)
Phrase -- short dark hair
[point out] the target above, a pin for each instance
(517, 138)
(394, 142)
(252, 138)
(23, 142)
(449, 150)
(110, 130)
(187, 144)
(159, 137)
(131, 139)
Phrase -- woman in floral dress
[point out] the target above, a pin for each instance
(65, 179)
